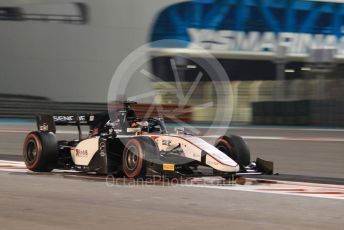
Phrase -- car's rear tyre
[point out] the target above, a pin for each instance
(40, 151)
(138, 153)
(234, 147)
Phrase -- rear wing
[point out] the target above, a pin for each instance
(48, 123)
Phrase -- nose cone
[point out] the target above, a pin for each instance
(220, 161)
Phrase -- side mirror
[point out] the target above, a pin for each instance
(179, 130)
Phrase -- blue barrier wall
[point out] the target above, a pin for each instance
(237, 24)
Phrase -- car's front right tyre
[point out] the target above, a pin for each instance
(137, 155)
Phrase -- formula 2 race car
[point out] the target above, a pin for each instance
(134, 147)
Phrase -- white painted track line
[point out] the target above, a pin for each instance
(271, 186)
(284, 188)
(284, 138)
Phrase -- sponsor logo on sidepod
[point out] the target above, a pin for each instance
(81, 153)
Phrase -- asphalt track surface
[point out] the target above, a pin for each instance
(58, 201)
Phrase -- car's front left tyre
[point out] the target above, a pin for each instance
(234, 147)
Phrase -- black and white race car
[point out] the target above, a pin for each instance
(134, 147)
